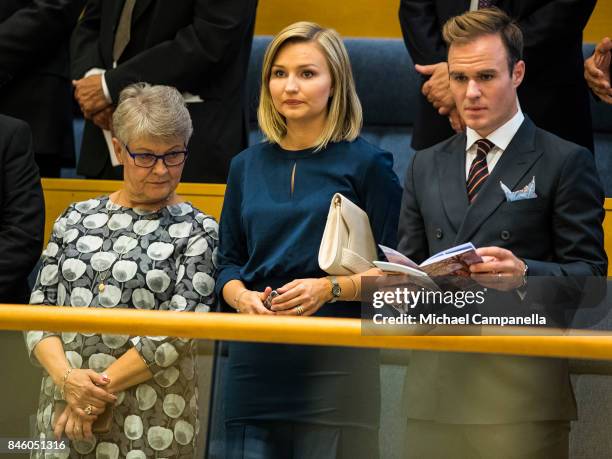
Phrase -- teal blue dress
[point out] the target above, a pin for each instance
(270, 234)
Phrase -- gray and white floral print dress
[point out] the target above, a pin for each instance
(102, 255)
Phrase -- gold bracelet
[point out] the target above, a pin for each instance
(237, 298)
(64, 379)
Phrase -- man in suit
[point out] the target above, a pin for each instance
(201, 47)
(470, 405)
(597, 70)
(22, 225)
(553, 94)
(22, 210)
(34, 74)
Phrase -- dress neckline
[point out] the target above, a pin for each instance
(296, 154)
(114, 206)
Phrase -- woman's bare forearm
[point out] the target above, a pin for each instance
(50, 353)
(127, 371)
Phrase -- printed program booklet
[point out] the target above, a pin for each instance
(453, 262)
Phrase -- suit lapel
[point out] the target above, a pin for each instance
(115, 15)
(139, 9)
(451, 178)
(513, 164)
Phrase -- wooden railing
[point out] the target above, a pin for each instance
(298, 330)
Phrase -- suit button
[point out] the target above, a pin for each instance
(439, 233)
(505, 235)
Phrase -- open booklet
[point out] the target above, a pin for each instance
(448, 263)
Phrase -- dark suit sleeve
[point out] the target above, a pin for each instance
(578, 244)
(85, 43)
(203, 48)
(34, 30)
(22, 221)
(412, 238)
(422, 31)
(553, 21)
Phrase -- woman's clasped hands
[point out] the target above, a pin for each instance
(86, 398)
(298, 297)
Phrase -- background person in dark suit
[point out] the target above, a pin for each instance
(22, 211)
(597, 70)
(22, 226)
(34, 74)
(469, 405)
(553, 94)
(201, 47)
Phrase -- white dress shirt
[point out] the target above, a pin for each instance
(500, 137)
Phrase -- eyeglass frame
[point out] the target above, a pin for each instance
(157, 157)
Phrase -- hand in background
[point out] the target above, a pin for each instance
(597, 70)
(90, 95)
(456, 121)
(104, 118)
(302, 297)
(436, 89)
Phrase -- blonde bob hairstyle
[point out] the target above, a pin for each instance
(344, 116)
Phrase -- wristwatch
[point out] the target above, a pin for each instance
(525, 272)
(336, 290)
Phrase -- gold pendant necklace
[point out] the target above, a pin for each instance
(103, 277)
(105, 274)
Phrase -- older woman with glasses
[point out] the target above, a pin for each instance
(141, 247)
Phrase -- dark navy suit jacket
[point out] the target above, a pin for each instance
(559, 233)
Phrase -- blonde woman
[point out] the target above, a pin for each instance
(284, 401)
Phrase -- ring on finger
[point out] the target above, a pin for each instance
(299, 310)
(88, 409)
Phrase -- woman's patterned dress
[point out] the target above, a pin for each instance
(102, 255)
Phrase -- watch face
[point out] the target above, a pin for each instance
(336, 290)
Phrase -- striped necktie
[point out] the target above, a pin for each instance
(479, 171)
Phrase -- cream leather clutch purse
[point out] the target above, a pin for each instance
(347, 246)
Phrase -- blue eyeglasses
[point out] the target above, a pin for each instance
(148, 160)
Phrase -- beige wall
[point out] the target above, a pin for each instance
(375, 18)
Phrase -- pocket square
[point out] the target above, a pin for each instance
(527, 192)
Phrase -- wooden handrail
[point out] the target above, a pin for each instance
(294, 330)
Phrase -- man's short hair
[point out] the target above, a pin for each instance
(471, 25)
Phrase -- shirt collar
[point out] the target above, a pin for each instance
(502, 136)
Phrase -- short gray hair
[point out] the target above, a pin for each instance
(149, 111)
